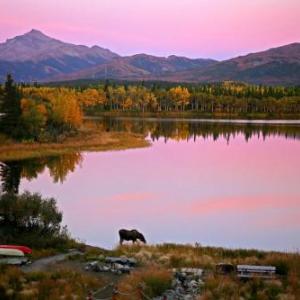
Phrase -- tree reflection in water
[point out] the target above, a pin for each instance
(191, 130)
(10, 174)
(59, 167)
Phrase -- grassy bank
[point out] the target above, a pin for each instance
(286, 284)
(179, 256)
(85, 140)
(154, 271)
(193, 114)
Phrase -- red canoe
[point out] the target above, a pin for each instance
(24, 249)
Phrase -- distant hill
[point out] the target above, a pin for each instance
(35, 56)
(272, 67)
(138, 67)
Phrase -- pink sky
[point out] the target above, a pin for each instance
(195, 28)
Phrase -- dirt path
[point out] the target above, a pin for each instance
(43, 263)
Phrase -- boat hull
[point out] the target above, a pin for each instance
(24, 249)
(15, 261)
(11, 252)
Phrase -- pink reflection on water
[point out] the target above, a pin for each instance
(241, 194)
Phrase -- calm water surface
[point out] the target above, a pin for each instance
(219, 184)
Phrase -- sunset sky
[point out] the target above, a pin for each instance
(195, 28)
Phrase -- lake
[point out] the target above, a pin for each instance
(218, 183)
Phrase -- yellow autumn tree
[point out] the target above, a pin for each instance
(51, 111)
(91, 97)
(65, 108)
(146, 99)
(180, 97)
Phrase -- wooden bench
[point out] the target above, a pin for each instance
(248, 271)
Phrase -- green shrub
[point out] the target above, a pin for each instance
(31, 220)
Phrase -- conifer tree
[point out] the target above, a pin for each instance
(10, 109)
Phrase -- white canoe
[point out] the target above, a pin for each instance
(16, 261)
(11, 252)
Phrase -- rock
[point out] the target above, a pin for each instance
(105, 268)
(185, 285)
(126, 270)
(123, 260)
(117, 265)
(92, 266)
(193, 284)
(132, 261)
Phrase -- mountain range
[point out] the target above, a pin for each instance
(35, 56)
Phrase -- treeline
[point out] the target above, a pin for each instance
(50, 113)
(226, 88)
(224, 98)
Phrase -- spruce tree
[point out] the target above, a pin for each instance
(10, 109)
(10, 174)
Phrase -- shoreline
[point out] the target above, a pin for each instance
(86, 140)
(195, 115)
(203, 120)
(93, 140)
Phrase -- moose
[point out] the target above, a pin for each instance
(131, 235)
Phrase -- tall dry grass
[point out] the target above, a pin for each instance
(153, 281)
(285, 287)
(61, 283)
